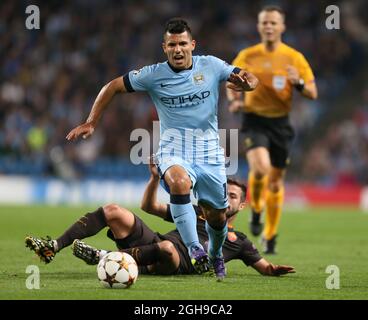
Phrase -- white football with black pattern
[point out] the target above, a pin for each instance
(117, 270)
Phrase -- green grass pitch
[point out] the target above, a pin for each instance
(310, 240)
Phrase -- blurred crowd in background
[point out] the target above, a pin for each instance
(50, 77)
(340, 157)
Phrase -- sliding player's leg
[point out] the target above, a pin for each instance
(120, 220)
(156, 258)
(86, 226)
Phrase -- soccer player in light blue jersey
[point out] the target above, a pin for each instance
(185, 91)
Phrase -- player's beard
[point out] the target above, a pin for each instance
(230, 213)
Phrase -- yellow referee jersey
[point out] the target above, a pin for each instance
(272, 97)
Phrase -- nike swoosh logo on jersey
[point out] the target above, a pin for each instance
(163, 85)
(177, 216)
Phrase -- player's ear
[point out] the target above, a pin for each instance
(164, 47)
(259, 24)
(259, 27)
(283, 27)
(193, 44)
(242, 205)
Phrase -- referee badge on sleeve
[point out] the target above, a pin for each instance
(279, 82)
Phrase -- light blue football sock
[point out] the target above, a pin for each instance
(216, 239)
(185, 220)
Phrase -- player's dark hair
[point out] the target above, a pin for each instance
(177, 26)
(271, 8)
(242, 186)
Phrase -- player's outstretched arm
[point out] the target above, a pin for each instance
(268, 269)
(242, 81)
(102, 101)
(149, 202)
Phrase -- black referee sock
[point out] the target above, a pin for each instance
(86, 226)
(145, 255)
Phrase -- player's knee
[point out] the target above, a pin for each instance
(112, 211)
(261, 170)
(179, 184)
(167, 248)
(275, 183)
(260, 166)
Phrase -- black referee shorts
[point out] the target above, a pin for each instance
(275, 134)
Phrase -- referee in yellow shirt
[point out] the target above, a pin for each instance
(281, 70)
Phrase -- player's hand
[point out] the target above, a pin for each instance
(293, 74)
(85, 130)
(278, 270)
(236, 105)
(153, 168)
(244, 81)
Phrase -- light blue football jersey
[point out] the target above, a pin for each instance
(186, 103)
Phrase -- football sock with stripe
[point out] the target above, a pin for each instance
(185, 219)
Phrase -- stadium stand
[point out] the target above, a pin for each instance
(49, 78)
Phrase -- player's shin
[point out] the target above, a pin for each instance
(87, 226)
(216, 237)
(274, 205)
(257, 190)
(185, 219)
